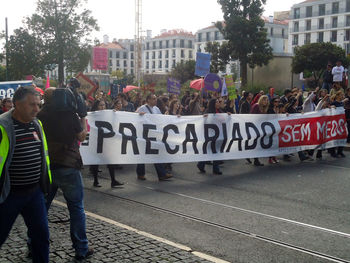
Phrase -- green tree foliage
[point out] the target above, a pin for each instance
(219, 56)
(2, 73)
(184, 71)
(64, 27)
(314, 57)
(245, 32)
(25, 55)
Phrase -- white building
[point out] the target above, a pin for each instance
(161, 53)
(320, 21)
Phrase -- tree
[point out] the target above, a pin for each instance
(2, 73)
(219, 56)
(184, 71)
(64, 31)
(25, 55)
(245, 32)
(314, 58)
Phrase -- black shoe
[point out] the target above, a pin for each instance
(87, 255)
(201, 169)
(257, 163)
(141, 177)
(116, 184)
(96, 184)
(341, 155)
(334, 155)
(217, 172)
(248, 161)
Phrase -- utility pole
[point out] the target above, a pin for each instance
(6, 48)
(138, 40)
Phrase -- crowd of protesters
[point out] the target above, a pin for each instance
(295, 100)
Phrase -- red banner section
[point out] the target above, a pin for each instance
(312, 131)
(100, 58)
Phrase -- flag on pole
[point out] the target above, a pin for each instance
(47, 82)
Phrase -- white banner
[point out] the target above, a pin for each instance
(128, 138)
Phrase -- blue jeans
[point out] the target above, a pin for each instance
(70, 182)
(32, 207)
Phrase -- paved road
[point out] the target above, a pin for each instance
(288, 212)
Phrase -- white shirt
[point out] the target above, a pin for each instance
(337, 73)
(144, 108)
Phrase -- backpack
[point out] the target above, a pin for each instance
(63, 99)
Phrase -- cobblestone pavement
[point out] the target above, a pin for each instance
(110, 243)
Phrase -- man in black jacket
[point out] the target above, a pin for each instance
(327, 78)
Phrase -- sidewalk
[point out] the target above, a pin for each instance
(111, 241)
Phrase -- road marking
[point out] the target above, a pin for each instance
(343, 234)
(160, 239)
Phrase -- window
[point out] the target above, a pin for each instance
(296, 26)
(167, 64)
(182, 53)
(159, 64)
(166, 43)
(334, 36)
(147, 64)
(321, 23)
(216, 36)
(153, 54)
(147, 45)
(307, 38)
(125, 55)
(166, 53)
(110, 54)
(132, 71)
(160, 44)
(125, 64)
(182, 43)
(282, 33)
(153, 64)
(335, 8)
(347, 35)
(174, 53)
(208, 36)
(334, 22)
(132, 64)
(118, 63)
(347, 20)
(189, 43)
(295, 39)
(190, 54)
(199, 37)
(131, 55)
(131, 47)
(174, 63)
(110, 62)
(117, 54)
(322, 10)
(308, 25)
(347, 5)
(309, 11)
(320, 37)
(296, 13)
(271, 31)
(154, 44)
(160, 54)
(174, 42)
(147, 55)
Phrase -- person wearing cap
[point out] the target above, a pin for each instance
(25, 175)
(327, 78)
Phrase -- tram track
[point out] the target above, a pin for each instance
(246, 233)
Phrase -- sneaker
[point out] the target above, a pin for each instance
(87, 255)
(271, 161)
(200, 169)
(275, 160)
(141, 177)
(97, 184)
(257, 163)
(116, 183)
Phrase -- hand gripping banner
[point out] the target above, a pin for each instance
(129, 138)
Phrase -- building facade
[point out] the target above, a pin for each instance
(161, 53)
(320, 21)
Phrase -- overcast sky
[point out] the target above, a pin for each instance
(116, 18)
